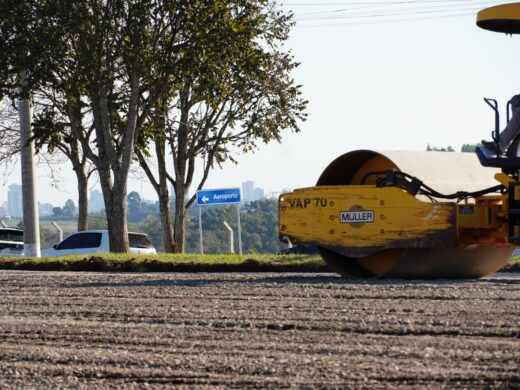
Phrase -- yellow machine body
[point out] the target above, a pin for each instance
(503, 18)
(369, 221)
(363, 229)
(361, 220)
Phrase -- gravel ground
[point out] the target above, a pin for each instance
(78, 330)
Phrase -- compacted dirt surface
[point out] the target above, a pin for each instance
(245, 330)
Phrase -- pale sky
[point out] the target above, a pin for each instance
(392, 75)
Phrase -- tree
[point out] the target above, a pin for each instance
(152, 227)
(466, 148)
(31, 35)
(57, 212)
(259, 228)
(9, 134)
(116, 57)
(134, 203)
(235, 95)
(469, 148)
(439, 149)
(52, 133)
(69, 209)
(53, 129)
(120, 53)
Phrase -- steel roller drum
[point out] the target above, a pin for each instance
(446, 172)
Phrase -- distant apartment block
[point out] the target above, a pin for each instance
(248, 191)
(14, 200)
(95, 202)
(259, 193)
(251, 193)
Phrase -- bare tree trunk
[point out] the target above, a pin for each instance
(161, 188)
(164, 208)
(114, 159)
(119, 233)
(82, 200)
(115, 209)
(164, 200)
(114, 195)
(181, 184)
(178, 221)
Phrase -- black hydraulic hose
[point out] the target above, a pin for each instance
(395, 178)
(461, 194)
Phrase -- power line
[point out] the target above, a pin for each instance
(389, 13)
(388, 21)
(450, 6)
(377, 3)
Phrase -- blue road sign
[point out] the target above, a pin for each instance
(219, 196)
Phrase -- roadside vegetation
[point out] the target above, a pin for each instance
(183, 262)
(111, 262)
(259, 220)
(178, 88)
(513, 265)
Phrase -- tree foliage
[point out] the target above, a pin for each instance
(259, 222)
(66, 212)
(237, 93)
(115, 57)
(469, 148)
(449, 148)
(207, 78)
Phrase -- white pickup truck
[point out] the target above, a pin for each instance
(93, 241)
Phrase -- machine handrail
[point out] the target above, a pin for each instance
(494, 106)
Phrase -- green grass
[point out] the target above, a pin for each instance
(513, 265)
(515, 260)
(186, 262)
(109, 262)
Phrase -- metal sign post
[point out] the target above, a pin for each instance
(239, 230)
(201, 241)
(219, 196)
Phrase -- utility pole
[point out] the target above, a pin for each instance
(31, 224)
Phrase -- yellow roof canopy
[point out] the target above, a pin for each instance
(502, 18)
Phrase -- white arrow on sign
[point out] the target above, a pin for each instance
(205, 199)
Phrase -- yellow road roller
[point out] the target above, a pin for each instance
(414, 215)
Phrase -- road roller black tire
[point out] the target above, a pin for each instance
(348, 267)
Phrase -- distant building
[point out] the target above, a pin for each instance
(259, 193)
(250, 193)
(14, 200)
(2, 212)
(95, 202)
(45, 209)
